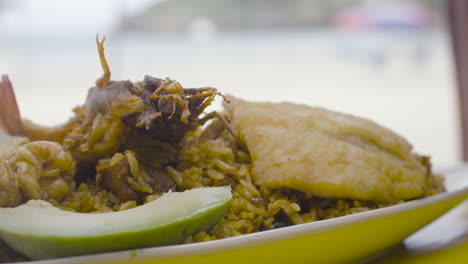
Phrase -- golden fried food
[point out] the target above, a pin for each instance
(327, 154)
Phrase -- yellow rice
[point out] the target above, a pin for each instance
(219, 162)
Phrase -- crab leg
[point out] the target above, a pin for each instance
(105, 78)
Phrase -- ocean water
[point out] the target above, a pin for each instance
(402, 80)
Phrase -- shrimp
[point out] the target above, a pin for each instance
(10, 195)
(34, 170)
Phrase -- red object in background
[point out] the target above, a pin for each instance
(384, 15)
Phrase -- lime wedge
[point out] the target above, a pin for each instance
(41, 231)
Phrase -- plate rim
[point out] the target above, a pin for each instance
(248, 240)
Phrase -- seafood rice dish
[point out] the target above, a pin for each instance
(131, 142)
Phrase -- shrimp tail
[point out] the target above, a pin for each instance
(12, 123)
(10, 117)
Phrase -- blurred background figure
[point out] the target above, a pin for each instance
(389, 61)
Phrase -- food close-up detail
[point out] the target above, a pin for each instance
(134, 143)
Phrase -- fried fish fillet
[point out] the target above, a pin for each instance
(325, 153)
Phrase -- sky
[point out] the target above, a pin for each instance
(62, 17)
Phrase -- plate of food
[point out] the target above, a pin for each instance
(144, 173)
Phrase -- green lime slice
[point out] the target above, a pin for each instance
(41, 231)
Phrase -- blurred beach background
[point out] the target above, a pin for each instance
(389, 61)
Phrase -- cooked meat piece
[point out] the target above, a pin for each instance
(115, 178)
(160, 181)
(129, 179)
